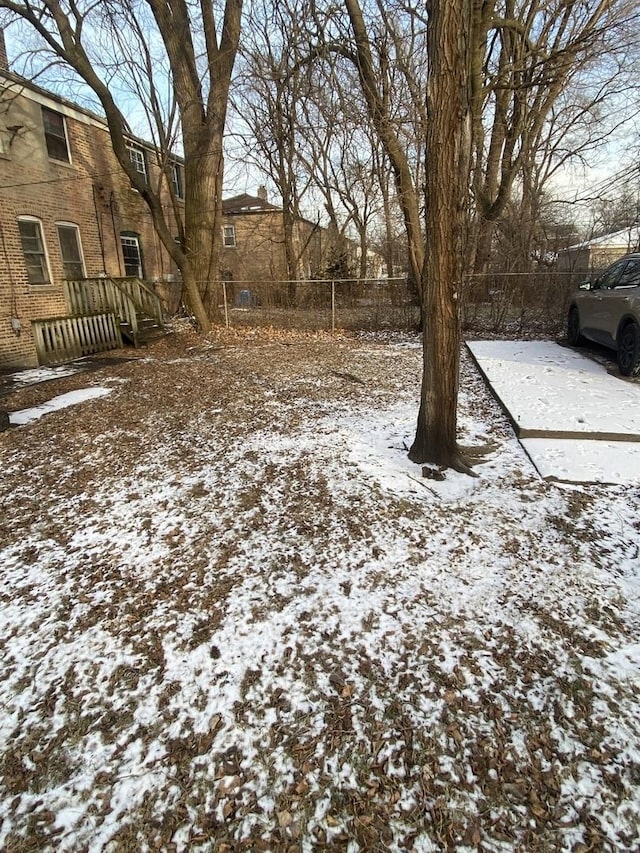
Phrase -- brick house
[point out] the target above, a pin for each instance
(253, 242)
(67, 210)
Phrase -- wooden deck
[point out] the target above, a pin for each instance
(103, 312)
(135, 304)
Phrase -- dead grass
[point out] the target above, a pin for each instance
(517, 723)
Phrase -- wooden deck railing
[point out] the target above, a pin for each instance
(145, 299)
(128, 298)
(91, 295)
(61, 339)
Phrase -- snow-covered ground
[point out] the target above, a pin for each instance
(577, 422)
(62, 401)
(235, 617)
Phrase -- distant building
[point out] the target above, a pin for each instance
(254, 244)
(598, 253)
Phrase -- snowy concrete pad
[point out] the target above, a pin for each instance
(551, 389)
(584, 461)
(576, 421)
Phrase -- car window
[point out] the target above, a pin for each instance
(609, 278)
(630, 275)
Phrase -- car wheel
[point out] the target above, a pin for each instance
(574, 337)
(629, 351)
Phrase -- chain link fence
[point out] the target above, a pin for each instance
(513, 304)
(352, 304)
(507, 304)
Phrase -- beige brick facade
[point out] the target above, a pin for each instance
(88, 196)
(256, 230)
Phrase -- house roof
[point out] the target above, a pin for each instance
(627, 238)
(27, 88)
(245, 203)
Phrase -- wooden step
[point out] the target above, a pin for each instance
(150, 334)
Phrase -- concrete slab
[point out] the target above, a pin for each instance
(577, 422)
(583, 461)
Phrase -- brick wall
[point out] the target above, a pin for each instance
(90, 192)
(259, 251)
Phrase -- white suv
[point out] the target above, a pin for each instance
(607, 311)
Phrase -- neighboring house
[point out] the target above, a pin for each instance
(254, 246)
(596, 254)
(67, 210)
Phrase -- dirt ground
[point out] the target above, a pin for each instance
(234, 618)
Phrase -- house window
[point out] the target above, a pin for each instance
(131, 255)
(177, 179)
(33, 248)
(138, 161)
(55, 134)
(69, 239)
(229, 236)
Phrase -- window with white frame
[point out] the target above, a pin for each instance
(177, 179)
(131, 254)
(34, 250)
(71, 250)
(229, 236)
(138, 160)
(55, 134)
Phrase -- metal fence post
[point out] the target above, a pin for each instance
(333, 306)
(226, 308)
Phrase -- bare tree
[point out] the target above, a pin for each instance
(199, 46)
(308, 123)
(447, 156)
(341, 157)
(512, 59)
(525, 55)
(271, 89)
(619, 209)
(373, 79)
(437, 258)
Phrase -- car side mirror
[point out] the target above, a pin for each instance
(586, 285)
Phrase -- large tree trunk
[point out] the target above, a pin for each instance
(202, 105)
(203, 219)
(447, 154)
(191, 295)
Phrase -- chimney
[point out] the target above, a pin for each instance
(4, 59)
(262, 192)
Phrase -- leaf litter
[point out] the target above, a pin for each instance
(233, 618)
